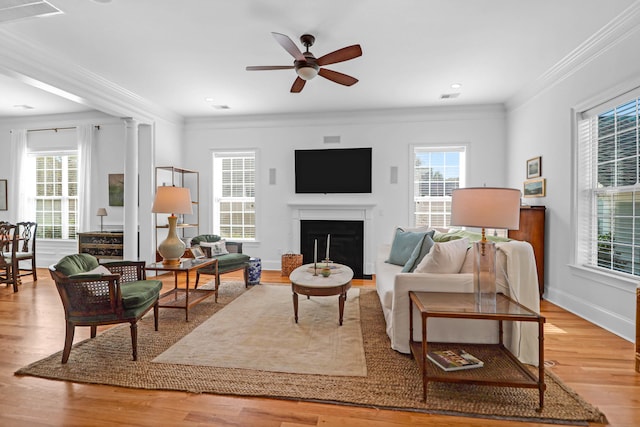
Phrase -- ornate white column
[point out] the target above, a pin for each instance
(131, 190)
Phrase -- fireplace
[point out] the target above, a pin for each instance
(347, 242)
(335, 211)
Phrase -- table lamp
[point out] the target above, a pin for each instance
(102, 212)
(172, 200)
(485, 207)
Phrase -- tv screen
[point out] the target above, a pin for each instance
(343, 170)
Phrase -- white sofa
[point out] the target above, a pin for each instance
(516, 276)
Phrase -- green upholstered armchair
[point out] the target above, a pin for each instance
(233, 261)
(94, 294)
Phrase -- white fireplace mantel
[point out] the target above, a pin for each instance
(336, 211)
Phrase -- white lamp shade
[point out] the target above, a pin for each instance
(486, 207)
(102, 212)
(174, 200)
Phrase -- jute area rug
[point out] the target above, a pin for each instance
(258, 331)
(393, 380)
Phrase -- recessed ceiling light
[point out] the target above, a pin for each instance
(221, 107)
(208, 99)
(456, 86)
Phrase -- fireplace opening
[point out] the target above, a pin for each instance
(346, 246)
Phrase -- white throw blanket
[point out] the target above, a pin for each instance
(522, 287)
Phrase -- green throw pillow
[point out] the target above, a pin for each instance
(76, 264)
(403, 245)
(418, 253)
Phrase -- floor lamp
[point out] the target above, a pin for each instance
(172, 200)
(485, 207)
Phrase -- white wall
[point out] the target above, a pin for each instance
(161, 138)
(390, 133)
(541, 125)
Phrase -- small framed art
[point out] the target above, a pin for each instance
(534, 167)
(535, 187)
(197, 252)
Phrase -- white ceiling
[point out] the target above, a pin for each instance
(177, 53)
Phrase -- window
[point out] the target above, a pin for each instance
(437, 171)
(56, 195)
(234, 194)
(608, 187)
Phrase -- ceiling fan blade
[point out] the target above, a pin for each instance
(344, 54)
(289, 46)
(298, 84)
(337, 77)
(268, 67)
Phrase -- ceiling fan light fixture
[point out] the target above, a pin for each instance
(307, 72)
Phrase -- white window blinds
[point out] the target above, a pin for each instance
(437, 171)
(608, 187)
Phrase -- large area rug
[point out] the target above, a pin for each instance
(258, 331)
(392, 379)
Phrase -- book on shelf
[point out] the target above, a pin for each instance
(454, 360)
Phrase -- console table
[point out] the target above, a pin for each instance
(495, 356)
(102, 245)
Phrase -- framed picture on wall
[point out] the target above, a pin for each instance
(3, 195)
(534, 167)
(535, 187)
(116, 189)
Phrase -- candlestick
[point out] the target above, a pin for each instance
(328, 243)
(315, 253)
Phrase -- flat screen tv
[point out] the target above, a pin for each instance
(342, 170)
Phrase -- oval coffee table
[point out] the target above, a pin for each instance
(303, 282)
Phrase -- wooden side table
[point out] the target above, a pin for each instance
(496, 356)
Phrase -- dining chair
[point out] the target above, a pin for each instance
(26, 249)
(8, 245)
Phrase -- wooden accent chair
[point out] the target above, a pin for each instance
(8, 243)
(233, 261)
(26, 249)
(94, 294)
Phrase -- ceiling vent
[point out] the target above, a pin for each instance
(332, 139)
(449, 95)
(15, 10)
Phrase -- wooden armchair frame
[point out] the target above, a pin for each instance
(95, 300)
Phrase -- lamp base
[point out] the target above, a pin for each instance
(484, 275)
(172, 248)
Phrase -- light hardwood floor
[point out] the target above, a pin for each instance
(595, 363)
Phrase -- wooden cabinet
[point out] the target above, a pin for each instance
(102, 245)
(532, 220)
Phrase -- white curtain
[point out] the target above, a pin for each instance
(22, 185)
(85, 146)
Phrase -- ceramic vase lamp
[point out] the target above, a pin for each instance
(172, 200)
(485, 207)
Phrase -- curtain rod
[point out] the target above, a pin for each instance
(57, 129)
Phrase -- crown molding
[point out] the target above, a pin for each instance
(349, 118)
(617, 30)
(38, 67)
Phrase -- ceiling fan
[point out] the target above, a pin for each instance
(307, 66)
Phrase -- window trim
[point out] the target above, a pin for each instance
(587, 110)
(34, 154)
(229, 153)
(434, 147)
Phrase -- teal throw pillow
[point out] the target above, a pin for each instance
(418, 253)
(403, 245)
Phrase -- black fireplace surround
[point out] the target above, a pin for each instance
(346, 247)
